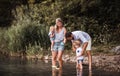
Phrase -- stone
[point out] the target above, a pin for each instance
(116, 50)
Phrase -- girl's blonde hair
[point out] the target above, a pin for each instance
(60, 20)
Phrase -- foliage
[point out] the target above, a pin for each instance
(26, 35)
(29, 21)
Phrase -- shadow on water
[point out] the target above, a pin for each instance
(16, 66)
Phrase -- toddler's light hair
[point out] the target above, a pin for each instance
(76, 43)
(51, 28)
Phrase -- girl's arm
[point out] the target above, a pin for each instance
(65, 31)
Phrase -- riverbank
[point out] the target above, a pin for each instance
(104, 62)
(107, 62)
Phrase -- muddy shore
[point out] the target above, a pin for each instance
(105, 62)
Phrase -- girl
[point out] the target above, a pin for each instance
(59, 42)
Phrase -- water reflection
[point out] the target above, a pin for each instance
(80, 73)
(35, 67)
(46, 61)
(56, 72)
(90, 73)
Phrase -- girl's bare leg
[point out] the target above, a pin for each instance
(60, 53)
(54, 55)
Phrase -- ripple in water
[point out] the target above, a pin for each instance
(24, 67)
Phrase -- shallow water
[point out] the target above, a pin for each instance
(23, 67)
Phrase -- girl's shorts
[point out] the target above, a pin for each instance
(58, 46)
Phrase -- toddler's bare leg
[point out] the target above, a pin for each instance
(77, 65)
(52, 44)
(81, 67)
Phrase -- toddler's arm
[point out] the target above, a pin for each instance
(73, 48)
(52, 35)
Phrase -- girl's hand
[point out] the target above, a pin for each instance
(62, 43)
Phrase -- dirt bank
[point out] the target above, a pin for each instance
(105, 62)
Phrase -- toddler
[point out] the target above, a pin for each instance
(52, 36)
(77, 46)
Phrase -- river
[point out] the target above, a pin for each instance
(33, 67)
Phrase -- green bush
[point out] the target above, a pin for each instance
(23, 37)
(3, 43)
(82, 15)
